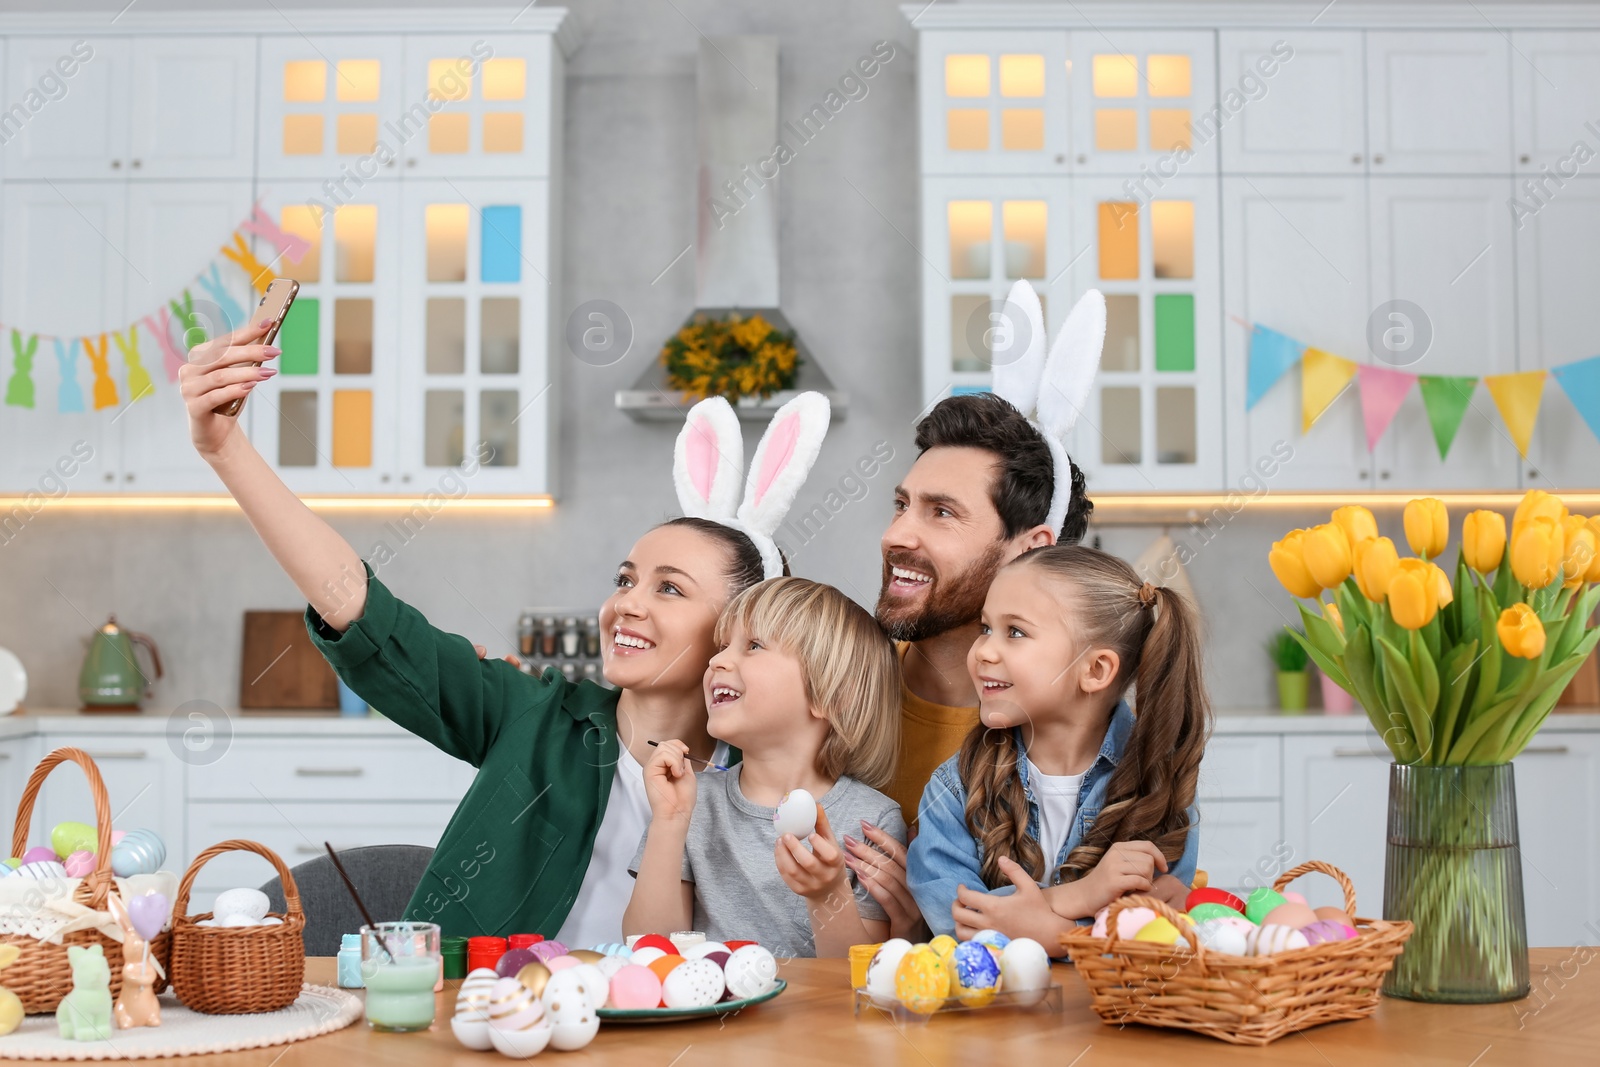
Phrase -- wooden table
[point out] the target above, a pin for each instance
(812, 1022)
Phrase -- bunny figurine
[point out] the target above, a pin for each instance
(85, 1013)
(10, 1003)
(137, 1006)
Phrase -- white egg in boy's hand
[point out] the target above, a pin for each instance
(796, 814)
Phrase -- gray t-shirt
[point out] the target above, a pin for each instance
(728, 855)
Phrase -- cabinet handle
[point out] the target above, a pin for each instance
(110, 477)
(329, 772)
(411, 162)
(131, 753)
(1378, 158)
(1383, 475)
(1364, 475)
(383, 478)
(1356, 158)
(128, 477)
(1083, 159)
(116, 164)
(136, 164)
(1524, 159)
(1356, 753)
(1546, 750)
(405, 477)
(5, 755)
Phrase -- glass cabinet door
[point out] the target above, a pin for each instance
(994, 102)
(333, 109)
(487, 100)
(1145, 103)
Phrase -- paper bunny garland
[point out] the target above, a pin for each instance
(708, 468)
(1051, 391)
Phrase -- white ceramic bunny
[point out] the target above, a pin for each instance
(137, 1004)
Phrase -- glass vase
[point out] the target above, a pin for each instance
(1454, 870)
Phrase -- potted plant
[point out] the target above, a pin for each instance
(1293, 679)
(1456, 676)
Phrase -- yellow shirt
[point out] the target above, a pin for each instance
(929, 734)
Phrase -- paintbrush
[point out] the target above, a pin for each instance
(365, 914)
(709, 765)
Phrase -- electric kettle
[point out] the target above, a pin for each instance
(111, 679)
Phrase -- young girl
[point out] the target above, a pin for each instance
(1060, 782)
(542, 840)
(808, 688)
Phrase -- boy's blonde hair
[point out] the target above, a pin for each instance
(851, 671)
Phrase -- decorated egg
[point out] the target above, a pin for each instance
(1160, 931)
(881, 969)
(665, 965)
(139, 852)
(750, 971)
(544, 951)
(6, 870)
(1289, 914)
(251, 902)
(695, 984)
(42, 870)
(975, 973)
(518, 1026)
(610, 965)
(944, 944)
(614, 948)
(586, 955)
(920, 982)
(796, 814)
(644, 957)
(533, 975)
(79, 864)
(1203, 912)
(522, 1044)
(1326, 930)
(655, 941)
(734, 946)
(573, 1019)
(595, 984)
(69, 837)
(1294, 898)
(561, 963)
(1129, 921)
(1224, 936)
(993, 938)
(634, 988)
(470, 1023)
(1212, 895)
(703, 949)
(1268, 940)
(14, 862)
(40, 854)
(514, 960)
(1262, 899)
(1025, 968)
(1336, 914)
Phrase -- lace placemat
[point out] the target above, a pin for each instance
(318, 1010)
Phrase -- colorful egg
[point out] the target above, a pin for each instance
(944, 944)
(610, 965)
(975, 974)
(545, 951)
(1336, 914)
(665, 965)
(1268, 940)
(644, 957)
(595, 984)
(40, 854)
(614, 948)
(1324, 930)
(69, 837)
(696, 984)
(42, 870)
(1289, 914)
(533, 975)
(470, 1023)
(634, 988)
(1225, 936)
(703, 949)
(573, 1019)
(79, 864)
(1212, 895)
(512, 1006)
(1208, 910)
(881, 970)
(1262, 900)
(139, 852)
(513, 961)
(1294, 898)
(561, 963)
(1129, 921)
(586, 955)
(735, 946)
(1160, 931)
(655, 941)
(1025, 969)
(921, 982)
(993, 938)
(796, 814)
(750, 971)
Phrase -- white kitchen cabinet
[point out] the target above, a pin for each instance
(191, 104)
(1445, 246)
(342, 770)
(489, 102)
(1295, 261)
(69, 119)
(335, 108)
(1241, 843)
(1558, 265)
(1145, 99)
(1438, 101)
(1303, 108)
(1555, 81)
(992, 102)
(18, 757)
(1336, 809)
(1558, 794)
(143, 779)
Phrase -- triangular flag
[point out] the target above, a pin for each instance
(1323, 376)
(1446, 399)
(1271, 356)
(1581, 382)
(1517, 397)
(1382, 390)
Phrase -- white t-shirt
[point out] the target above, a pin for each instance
(1057, 795)
(596, 916)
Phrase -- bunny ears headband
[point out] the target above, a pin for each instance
(1051, 391)
(708, 467)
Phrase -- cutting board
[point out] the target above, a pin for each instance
(280, 667)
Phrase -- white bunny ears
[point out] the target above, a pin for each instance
(1051, 391)
(708, 465)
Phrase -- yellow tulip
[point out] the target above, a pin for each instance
(1441, 584)
(1521, 632)
(1483, 540)
(1326, 551)
(1330, 611)
(1593, 573)
(1287, 560)
(1537, 504)
(1356, 522)
(1427, 526)
(1375, 561)
(1537, 548)
(1578, 553)
(1413, 594)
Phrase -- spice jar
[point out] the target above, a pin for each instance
(547, 636)
(571, 639)
(591, 639)
(525, 633)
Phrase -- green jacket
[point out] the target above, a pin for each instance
(515, 852)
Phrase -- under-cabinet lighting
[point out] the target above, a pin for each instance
(223, 502)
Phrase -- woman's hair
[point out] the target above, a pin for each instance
(744, 560)
(851, 671)
(1154, 633)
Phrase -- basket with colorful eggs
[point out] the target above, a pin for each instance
(543, 995)
(55, 900)
(944, 974)
(1246, 969)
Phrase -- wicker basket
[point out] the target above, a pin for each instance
(234, 970)
(40, 977)
(1243, 1000)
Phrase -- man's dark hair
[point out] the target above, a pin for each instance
(1021, 493)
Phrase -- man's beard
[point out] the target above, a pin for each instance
(945, 607)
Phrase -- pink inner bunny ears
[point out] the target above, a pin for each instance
(1052, 390)
(708, 468)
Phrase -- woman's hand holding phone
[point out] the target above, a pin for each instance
(221, 370)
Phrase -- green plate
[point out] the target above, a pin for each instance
(670, 1015)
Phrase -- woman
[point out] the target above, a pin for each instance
(542, 840)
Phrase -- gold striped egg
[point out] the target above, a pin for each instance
(470, 1023)
(512, 1006)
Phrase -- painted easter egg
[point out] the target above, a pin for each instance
(1160, 931)
(614, 948)
(703, 949)
(881, 969)
(921, 982)
(634, 988)
(573, 1019)
(1336, 914)
(518, 1026)
(595, 984)
(1289, 914)
(1262, 899)
(1294, 898)
(513, 960)
(1324, 930)
(1212, 895)
(975, 974)
(42, 870)
(533, 975)
(644, 957)
(544, 951)
(69, 837)
(796, 814)
(665, 966)
(79, 864)
(696, 984)
(1228, 938)
(40, 854)
(1205, 911)
(1025, 968)
(750, 971)
(561, 963)
(1129, 922)
(1268, 940)
(655, 941)
(251, 902)
(139, 852)
(470, 1023)
(993, 938)
(944, 944)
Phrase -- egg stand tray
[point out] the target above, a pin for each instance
(40, 976)
(1040, 1000)
(183, 1032)
(1244, 1000)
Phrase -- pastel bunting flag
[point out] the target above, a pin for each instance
(19, 389)
(1323, 376)
(105, 388)
(1382, 391)
(1517, 397)
(69, 394)
(1446, 399)
(1271, 356)
(290, 246)
(1581, 382)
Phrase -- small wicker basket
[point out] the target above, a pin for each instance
(1244, 1000)
(235, 970)
(40, 977)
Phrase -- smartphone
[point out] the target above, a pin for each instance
(275, 303)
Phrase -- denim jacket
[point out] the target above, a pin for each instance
(944, 853)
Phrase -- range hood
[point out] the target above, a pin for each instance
(736, 238)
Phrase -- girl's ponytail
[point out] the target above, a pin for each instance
(997, 807)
